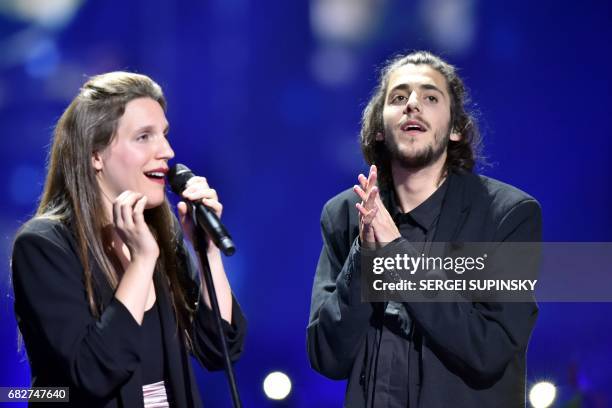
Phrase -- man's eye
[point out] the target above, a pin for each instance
(143, 137)
(398, 99)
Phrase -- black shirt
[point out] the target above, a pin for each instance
(417, 226)
(152, 347)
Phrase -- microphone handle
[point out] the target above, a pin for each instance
(209, 221)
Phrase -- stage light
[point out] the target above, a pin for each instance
(542, 394)
(277, 385)
(342, 59)
(439, 17)
(46, 13)
(344, 21)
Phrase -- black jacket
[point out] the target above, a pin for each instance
(465, 354)
(99, 358)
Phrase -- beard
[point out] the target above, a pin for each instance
(411, 158)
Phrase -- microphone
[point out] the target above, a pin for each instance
(178, 176)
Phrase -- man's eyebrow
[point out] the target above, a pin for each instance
(429, 87)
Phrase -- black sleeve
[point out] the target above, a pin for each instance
(338, 318)
(51, 307)
(206, 343)
(207, 346)
(480, 339)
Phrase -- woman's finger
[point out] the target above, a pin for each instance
(213, 204)
(184, 216)
(127, 208)
(199, 192)
(197, 180)
(182, 210)
(117, 213)
(138, 212)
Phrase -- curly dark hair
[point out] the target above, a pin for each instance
(462, 154)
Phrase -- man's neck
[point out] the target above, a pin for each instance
(412, 187)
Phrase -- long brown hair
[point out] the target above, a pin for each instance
(460, 154)
(72, 195)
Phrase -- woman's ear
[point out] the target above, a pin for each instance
(380, 137)
(96, 161)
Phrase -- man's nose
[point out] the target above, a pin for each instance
(413, 103)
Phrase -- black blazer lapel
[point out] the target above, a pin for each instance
(455, 207)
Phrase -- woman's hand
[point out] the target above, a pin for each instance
(198, 190)
(131, 227)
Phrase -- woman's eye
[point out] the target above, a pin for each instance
(432, 98)
(143, 137)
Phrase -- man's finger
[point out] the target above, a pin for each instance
(362, 210)
(363, 181)
(370, 203)
(366, 215)
(373, 177)
(370, 173)
(360, 193)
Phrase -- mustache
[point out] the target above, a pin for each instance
(416, 119)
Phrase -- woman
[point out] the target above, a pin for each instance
(105, 292)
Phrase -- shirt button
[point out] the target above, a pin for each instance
(348, 277)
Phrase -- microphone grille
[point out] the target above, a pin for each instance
(178, 176)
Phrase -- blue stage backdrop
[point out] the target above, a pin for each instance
(265, 101)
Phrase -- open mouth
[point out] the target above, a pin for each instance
(156, 176)
(413, 127)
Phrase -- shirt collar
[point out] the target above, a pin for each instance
(425, 214)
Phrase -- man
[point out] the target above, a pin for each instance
(422, 146)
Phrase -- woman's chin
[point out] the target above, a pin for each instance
(154, 201)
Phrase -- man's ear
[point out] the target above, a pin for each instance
(96, 161)
(380, 137)
(456, 136)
